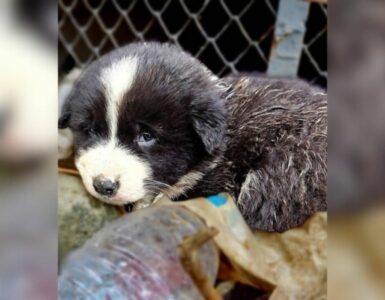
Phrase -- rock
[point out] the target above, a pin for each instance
(80, 215)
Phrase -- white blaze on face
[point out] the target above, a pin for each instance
(107, 159)
(117, 80)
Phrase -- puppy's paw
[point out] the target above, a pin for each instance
(141, 204)
(65, 144)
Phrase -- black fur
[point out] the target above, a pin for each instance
(262, 140)
(281, 142)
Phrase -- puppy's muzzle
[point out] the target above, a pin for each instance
(105, 187)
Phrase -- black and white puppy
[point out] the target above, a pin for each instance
(149, 119)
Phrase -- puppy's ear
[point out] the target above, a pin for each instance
(209, 122)
(65, 115)
(66, 95)
(64, 120)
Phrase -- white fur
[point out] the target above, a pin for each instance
(114, 163)
(108, 159)
(117, 79)
(248, 186)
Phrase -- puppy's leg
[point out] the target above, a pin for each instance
(143, 203)
(285, 191)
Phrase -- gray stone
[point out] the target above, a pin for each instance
(80, 215)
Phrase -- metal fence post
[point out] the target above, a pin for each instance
(288, 37)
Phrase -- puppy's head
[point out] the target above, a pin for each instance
(142, 117)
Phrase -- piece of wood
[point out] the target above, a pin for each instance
(190, 263)
(68, 171)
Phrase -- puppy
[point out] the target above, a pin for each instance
(149, 119)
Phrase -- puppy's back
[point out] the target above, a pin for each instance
(278, 139)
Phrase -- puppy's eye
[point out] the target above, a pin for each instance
(146, 139)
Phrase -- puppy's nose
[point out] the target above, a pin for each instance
(105, 187)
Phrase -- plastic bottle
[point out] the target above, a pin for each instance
(137, 257)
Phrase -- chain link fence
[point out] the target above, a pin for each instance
(313, 63)
(228, 36)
